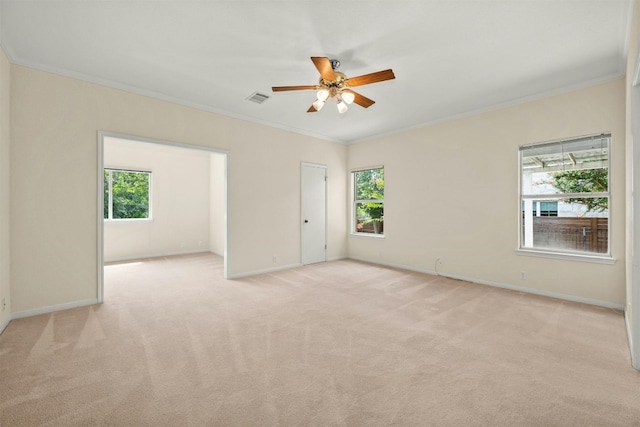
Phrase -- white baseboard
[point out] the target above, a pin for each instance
(53, 308)
(157, 255)
(5, 324)
(509, 286)
(393, 265)
(271, 270)
(75, 304)
(545, 293)
(266, 270)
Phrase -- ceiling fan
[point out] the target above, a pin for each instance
(335, 85)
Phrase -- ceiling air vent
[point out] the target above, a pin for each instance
(258, 97)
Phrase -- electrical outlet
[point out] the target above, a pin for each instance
(437, 266)
(275, 259)
(523, 275)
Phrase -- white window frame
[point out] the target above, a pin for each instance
(559, 253)
(110, 190)
(354, 202)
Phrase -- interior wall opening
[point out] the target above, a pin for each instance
(157, 199)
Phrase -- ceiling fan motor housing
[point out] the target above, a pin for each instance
(334, 86)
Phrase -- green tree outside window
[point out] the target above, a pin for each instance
(369, 201)
(126, 194)
(584, 181)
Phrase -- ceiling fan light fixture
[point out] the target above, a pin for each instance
(318, 104)
(322, 95)
(342, 107)
(348, 97)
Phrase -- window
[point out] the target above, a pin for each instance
(368, 201)
(547, 208)
(543, 208)
(126, 194)
(565, 195)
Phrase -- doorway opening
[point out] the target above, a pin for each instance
(159, 198)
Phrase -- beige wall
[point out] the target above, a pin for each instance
(5, 135)
(451, 193)
(55, 121)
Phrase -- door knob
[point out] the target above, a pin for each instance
(306, 221)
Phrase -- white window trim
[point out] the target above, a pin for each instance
(352, 226)
(558, 253)
(367, 235)
(570, 256)
(110, 201)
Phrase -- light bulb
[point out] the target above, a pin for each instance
(318, 104)
(348, 97)
(323, 94)
(342, 107)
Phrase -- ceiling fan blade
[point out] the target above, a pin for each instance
(361, 100)
(312, 109)
(366, 79)
(284, 88)
(323, 65)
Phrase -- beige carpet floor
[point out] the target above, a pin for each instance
(336, 344)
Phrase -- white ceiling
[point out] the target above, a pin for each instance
(450, 57)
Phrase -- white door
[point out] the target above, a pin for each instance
(314, 214)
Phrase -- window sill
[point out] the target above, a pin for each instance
(598, 259)
(123, 220)
(368, 235)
